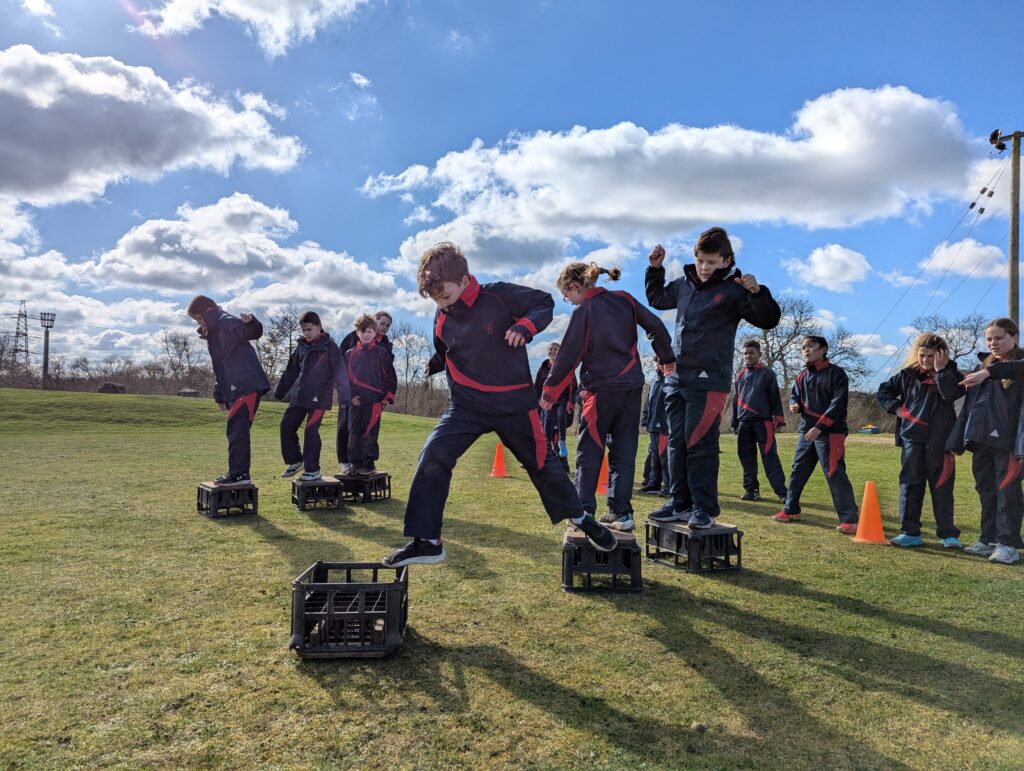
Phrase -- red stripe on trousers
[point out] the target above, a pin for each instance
(590, 416)
(770, 429)
(540, 442)
(375, 412)
(314, 418)
(712, 411)
(662, 443)
(249, 400)
(948, 465)
(1012, 472)
(836, 451)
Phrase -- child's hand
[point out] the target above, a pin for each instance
(794, 408)
(657, 256)
(668, 368)
(201, 331)
(941, 360)
(545, 403)
(812, 434)
(515, 339)
(247, 318)
(356, 401)
(749, 283)
(975, 378)
(223, 406)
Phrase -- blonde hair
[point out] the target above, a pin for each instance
(928, 340)
(584, 274)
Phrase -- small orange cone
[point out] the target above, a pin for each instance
(602, 477)
(498, 469)
(869, 526)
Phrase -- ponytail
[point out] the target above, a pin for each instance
(585, 275)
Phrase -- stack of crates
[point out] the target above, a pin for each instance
(213, 500)
(616, 570)
(676, 545)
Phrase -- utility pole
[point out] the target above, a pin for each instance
(46, 320)
(999, 142)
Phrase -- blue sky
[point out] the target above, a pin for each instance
(153, 150)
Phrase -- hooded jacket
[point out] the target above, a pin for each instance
(707, 314)
(654, 418)
(313, 373)
(756, 396)
(351, 340)
(822, 391)
(991, 411)
(485, 373)
(923, 404)
(602, 336)
(236, 367)
(371, 373)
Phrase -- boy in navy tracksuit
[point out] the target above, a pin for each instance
(602, 338)
(989, 426)
(371, 375)
(921, 396)
(480, 334)
(308, 382)
(384, 321)
(710, 299)
(756, 416)
(558, 419)
(820, 394)
(656, 473)
(239, 379)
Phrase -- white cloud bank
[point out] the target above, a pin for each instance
(832, 267)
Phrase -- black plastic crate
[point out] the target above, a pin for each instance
(363, 488)
(213, 500)
(617, 570)
(674, 544)
(324, 493)
(349, 610)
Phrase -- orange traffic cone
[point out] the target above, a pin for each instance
(869, 527)
(602, 477)
(498, 469)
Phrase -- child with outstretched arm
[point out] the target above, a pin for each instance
(239, 379)
(602, 340)
(314, 371)
(710, 300)
(480, 334)
(820, 395)
(921, 396)
(372, 377)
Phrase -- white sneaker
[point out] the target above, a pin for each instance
(623, 524)
(346, 468)
(292, 470)
(980, 549)
(1004, 555)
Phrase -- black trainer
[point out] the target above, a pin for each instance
(600, 537)
(667, 513)
(700, 520)
(751, 495)
(416, 552)
(229, 479)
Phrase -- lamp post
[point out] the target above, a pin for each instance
(46, 320)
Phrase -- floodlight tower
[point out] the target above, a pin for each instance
(46, 320)
(20, 353)
(998, 140)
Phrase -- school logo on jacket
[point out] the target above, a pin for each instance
(489, 327)
(719, 297)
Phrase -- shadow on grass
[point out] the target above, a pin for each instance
(973, 694)
(300, 552)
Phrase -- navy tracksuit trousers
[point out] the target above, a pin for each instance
(457, 430)
(997, 479)
(341, 439)
(241, 413)
(363, 433)
(656, 473)
(752, 437)
(921, 466)
(614, 414)
(694, 417)
(309, 454)
(828, 450)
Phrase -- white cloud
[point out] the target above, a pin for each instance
(255, 102)
(831, 267)
(277, 25)
(418, 215)
(359, 80)
(872, 345)
(459, 41)
(74, 125)
(44, 11)
(966, 257)
(908, 331)
(850, 156)
(896, 277)
(827, 319)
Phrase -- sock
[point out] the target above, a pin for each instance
(434, 541)
(579, 520)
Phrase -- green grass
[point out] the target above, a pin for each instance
(136, 632)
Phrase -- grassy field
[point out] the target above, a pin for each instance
(137, 633)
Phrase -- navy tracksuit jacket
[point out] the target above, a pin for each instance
(557, 419)
(756, 414)
(923, 405)
(707, 314)
(371, 374)
(348, 342)
(239, 379)
(989, 426)
(654, 419)
(490, 389)
(313, 372)
(602, 338)
(822, 391)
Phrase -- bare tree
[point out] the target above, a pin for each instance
(844, 351)
(412, 350)
(278, 341)
(181, 354)
(780, 347)
(964, 334)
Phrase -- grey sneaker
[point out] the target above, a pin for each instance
(980, 549)
(310, 476)
(623, 524)
(607, 519)
(700, 520)
(1004, 555)
(291, 470)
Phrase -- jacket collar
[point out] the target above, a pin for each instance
(819, 365)
(593, 292)
(720, 275)
(470, 293)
